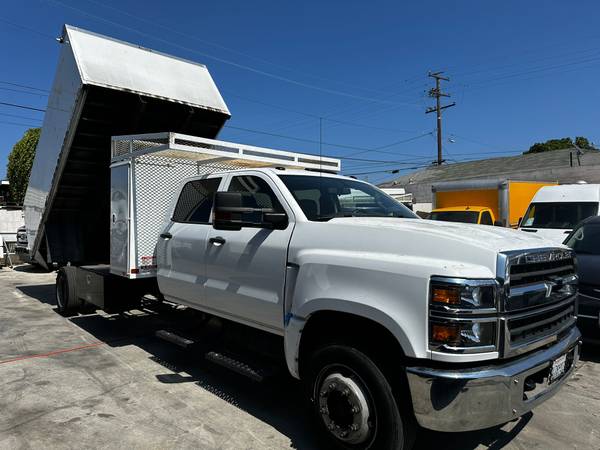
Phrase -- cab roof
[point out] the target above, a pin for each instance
(568, 193)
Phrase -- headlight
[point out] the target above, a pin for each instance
(456, 293)
(463, 317)
(452, 336)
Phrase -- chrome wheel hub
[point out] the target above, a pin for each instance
(344, 408)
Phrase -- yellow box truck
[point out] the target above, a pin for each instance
(487, 202)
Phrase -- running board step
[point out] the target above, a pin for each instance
(240, 367)
(174, 339)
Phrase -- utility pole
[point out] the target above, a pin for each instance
(437, 93)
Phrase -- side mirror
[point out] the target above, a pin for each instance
(228, 210)
(276, 220)
(231, 211)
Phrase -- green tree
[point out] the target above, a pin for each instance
(583, 143)
(19, 164)
(549, 145)
(559, 144)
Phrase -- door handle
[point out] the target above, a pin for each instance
(218, 240)
(166, 235)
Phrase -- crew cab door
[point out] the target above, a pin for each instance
(245, 269)
(181, 247)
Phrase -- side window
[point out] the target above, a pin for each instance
(486, 218)
(258, 192)
(196, 200)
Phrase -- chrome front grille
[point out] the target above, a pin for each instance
(539, 297)
(539, 323)
(521, 274)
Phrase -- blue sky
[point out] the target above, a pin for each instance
(521, 72)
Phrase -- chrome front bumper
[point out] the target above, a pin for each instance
(482, 397)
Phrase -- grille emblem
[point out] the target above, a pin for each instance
(547, 256)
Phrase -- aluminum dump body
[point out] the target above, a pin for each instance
(102, 88)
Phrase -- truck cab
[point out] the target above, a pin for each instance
(388, 319)
(481, 215)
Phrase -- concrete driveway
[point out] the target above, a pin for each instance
(100, 381)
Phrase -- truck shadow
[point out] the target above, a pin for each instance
(492, 438)
(590, 351)
(278, 402)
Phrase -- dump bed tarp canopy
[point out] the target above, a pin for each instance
(104, 87)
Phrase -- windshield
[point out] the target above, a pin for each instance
(323, 198)
(455, 216)
(585, 240)
(559, 215)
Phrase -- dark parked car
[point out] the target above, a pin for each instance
(585, 240)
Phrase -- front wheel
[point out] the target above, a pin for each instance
(353, 402)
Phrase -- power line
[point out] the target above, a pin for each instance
(226, 61)
(381, 148)
(540, 69)
(331, 144)
(315, 116)
(392, 171)
(19, 124)
(24, 86)
(31, 108)
(24, 28)
(19, 117)
(22, 91)
(172, 29)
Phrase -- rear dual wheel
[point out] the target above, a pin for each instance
(67, 302)
(354, 404)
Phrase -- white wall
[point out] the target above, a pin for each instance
(10, 221)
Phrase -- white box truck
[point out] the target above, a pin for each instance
(389, 320)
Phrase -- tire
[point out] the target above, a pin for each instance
(67, 302)
(354, 404)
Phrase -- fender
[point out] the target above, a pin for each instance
(296, 323)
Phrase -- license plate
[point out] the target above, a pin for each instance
(558, 368)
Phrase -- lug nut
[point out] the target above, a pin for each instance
(323, 393)
(323, 410)
(332, 386)
(354, 427)
(343, 434)
(355, 410)
(346, 392)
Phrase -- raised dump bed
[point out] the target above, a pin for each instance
(102, 88)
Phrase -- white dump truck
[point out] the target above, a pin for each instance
(389, 320)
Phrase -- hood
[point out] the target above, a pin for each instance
(438, 248)
(483, 236)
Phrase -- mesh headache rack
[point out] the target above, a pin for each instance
(205, 151)
(146, 173)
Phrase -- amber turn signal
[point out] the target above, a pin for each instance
(448, 294)
(444, 333)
